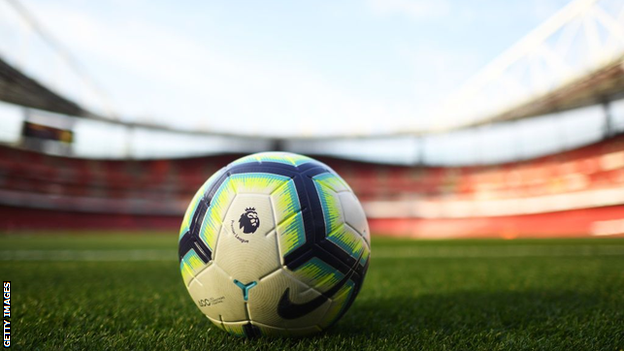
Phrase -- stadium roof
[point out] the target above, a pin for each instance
(603, 85)
(573, 59)
(17, 88)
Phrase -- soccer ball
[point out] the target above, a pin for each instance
(274, 243)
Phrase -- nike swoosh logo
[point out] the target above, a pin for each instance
(289, 310)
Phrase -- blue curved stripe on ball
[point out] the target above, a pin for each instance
(191, 238)
(188, 243)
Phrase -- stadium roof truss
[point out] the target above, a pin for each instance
(574, 59)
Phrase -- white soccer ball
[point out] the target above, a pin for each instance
(274, 244)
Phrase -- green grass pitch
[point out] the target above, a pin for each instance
(124, 291)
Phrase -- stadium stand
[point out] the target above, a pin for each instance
(569, 193)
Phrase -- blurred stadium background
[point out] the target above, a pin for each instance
(531, 146)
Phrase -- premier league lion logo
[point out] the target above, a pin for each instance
(249, 221)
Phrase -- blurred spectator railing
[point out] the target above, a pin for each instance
(587, 177)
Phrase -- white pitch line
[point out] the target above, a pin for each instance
(501, 252)
(382, 253)
(88, 255)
